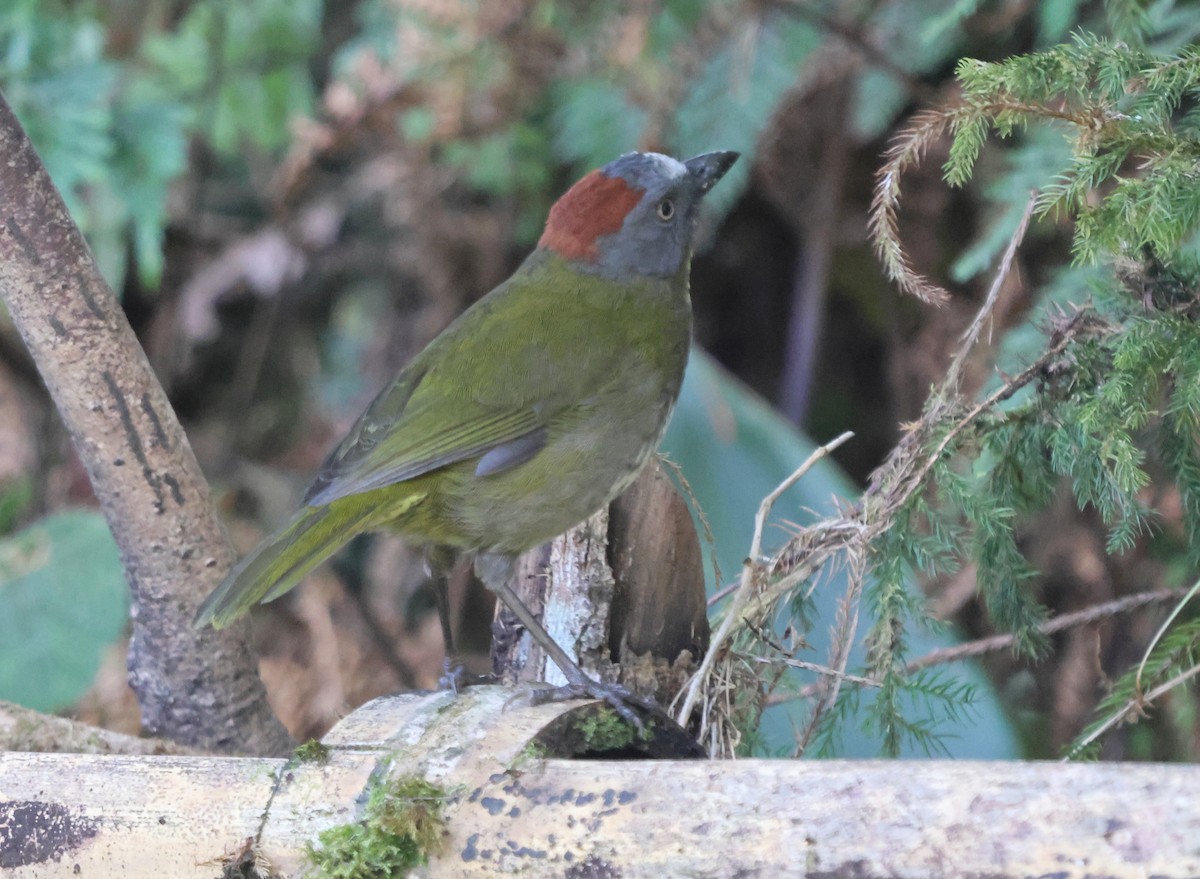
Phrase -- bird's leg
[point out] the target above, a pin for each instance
(441, 561)
(495, 571)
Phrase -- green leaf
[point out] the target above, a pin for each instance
(63, 601)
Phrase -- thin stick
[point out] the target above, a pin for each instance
(749, 567)
(723, 592)
(1161, 631)
(823, 670)
(971, 336)
(1137, 703)
(1027, 375)
(995, 643)
(764, 509)
(1059, 623)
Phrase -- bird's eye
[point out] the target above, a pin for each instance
(666, 209)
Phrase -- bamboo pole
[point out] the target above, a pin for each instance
(510, 811)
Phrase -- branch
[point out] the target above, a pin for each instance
(199, 688)
(1062, 622)
(972, 649)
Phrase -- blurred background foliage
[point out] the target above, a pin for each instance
(292, 196)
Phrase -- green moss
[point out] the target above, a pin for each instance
(312, 751)
(533, 752)
(606, 731)
(401, 825)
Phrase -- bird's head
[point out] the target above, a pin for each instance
(635, 216)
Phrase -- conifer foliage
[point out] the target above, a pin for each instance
(1116, 394)
(1109, 404)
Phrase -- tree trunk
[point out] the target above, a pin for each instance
(198, 688)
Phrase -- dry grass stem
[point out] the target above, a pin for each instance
(749, 568)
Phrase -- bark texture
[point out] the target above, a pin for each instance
(198, 688)
(623, 593)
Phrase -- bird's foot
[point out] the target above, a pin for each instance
(622, 700)
(455, 677)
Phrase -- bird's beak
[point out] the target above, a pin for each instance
(708, 168)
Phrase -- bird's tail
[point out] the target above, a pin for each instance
(281, 561)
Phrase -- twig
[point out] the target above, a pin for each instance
(971, 336)
(1084, 617)
(1191, 593)
(992, 644)
(1137, 703)
(764, 509)
(749, 567)
(1011, 387)
(823, 670)
(721, 593)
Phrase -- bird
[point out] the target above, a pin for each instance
(528, 413)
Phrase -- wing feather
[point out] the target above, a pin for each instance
(407, 453)
(429, 418)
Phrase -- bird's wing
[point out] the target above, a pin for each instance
(490, 388)
(378, 452)
(470, 396)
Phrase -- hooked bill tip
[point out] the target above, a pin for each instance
(708, 168)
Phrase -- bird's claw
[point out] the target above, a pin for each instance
(617, 696)
(455, 677)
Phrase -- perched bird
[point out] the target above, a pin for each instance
(527, 414)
